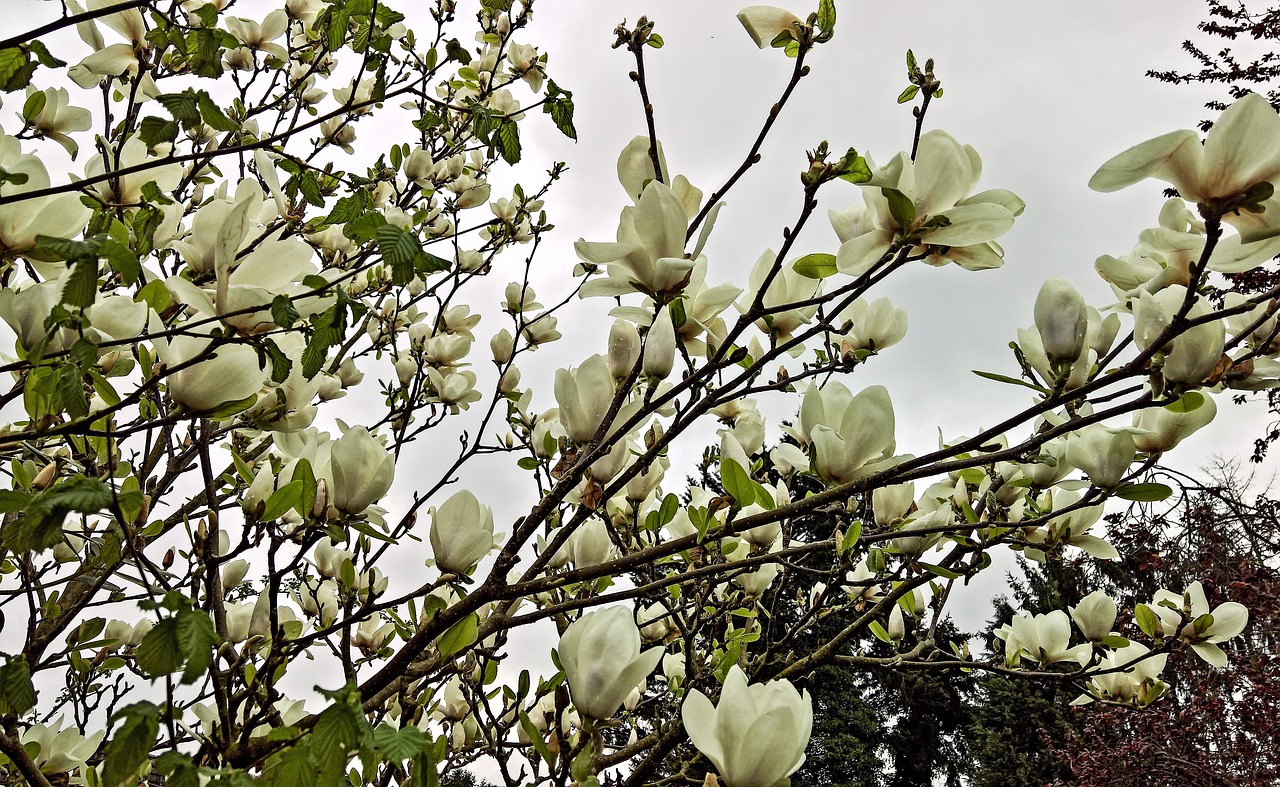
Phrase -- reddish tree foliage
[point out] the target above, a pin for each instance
(1215, 727)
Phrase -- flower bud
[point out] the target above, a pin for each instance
(624, 348)
(602, 661)
(1062, 320)
(362, 471)
(461, 533)
(660, 347)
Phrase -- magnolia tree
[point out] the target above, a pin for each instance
(186, 554)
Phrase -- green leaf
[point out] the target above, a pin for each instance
(1145, 493)
(668, 510)
(16, 69)
(815, 266)
(363, 228)
(736, 482)
(16, 178)
(945, 573)
(184, 106)
(654, 40)
(826, 18)
(508, 138)
(527, 463)
(155, 295)
(286, 497)
(40, 526)
(82, 285)
(462, 634)
(337, 732)
(130, 744)
(1000, 378)
(154, 131)
(1189, 402)
(539, 744)
(17, 694)
(303, 474)
(851, 537)
(908, 94)
(293, 767)
(400, 744)
(879, 632)
(349, 208)
(213, 115)
(196, 639)
(901, 207)
(34, 104)
(400, 249)
(11, 501)
(122, 260)
(159, 653)
(1147, 620)
(912, 66)
(283, 312)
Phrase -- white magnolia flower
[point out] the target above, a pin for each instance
(461, 532)
(756, 735)
(1204, 628)
(935, 212)
(1135, 679)
(60, 750)
(648, 256)
(1044, 639)
(1193, 354)
(1095, 615)
(600, 652)
(1241, 151)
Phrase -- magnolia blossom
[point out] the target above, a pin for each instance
(1138, 684)
(1043, 638)
(231, 373)
(585, 395)
(1062, 320)
(786, 287)
(648, 256)
(461, 532)
(764, 23)
(362, 470)
(1095, 615)
(659, 347)
(935, 213)
(872, 325)
(57, 117)
(756, 735)
(1163, 428)
(1194, 353)
(132, 154)
(109, 60)
(59, 750)
(1241, 151)
(59, 216)
(1204, 628)
(600, 652)
(1103, 453)
(848, 432)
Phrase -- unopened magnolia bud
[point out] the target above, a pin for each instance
(321, 505)
(45, 477)
(660, 347)
(502, 345)
(624, 348)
